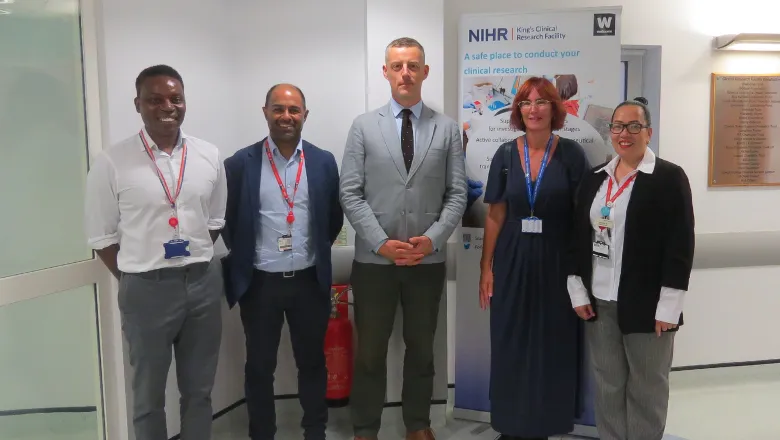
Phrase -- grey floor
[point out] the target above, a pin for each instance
(233, 425)
(719, 404)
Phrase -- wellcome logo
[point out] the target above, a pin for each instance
(603, 24)
(466, 241)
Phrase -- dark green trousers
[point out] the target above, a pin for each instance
(377, 290)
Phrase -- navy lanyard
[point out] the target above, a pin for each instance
(532, 194)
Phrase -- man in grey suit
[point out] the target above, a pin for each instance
(403, 189)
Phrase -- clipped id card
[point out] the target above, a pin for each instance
(601, 249)
(532, 225)
(177, 248)
(285, 243)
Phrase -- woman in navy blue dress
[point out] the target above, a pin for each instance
(534, 334)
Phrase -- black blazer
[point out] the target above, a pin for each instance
(658, 246)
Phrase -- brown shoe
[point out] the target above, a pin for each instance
(423, 434)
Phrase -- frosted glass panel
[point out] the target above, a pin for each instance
(43, 149)
(49, 368)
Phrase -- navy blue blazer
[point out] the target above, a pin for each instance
(243, 210)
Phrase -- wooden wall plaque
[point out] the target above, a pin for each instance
(744, 130)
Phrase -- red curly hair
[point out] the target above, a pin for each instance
(547, 91)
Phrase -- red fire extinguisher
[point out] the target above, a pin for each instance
(338, 349)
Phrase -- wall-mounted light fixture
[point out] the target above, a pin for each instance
(753, 42)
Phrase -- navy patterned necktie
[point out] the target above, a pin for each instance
(407, 138)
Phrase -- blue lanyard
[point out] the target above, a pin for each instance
(532, 194)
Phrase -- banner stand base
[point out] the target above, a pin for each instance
(470, 414)
(484, 417)
(585, 431)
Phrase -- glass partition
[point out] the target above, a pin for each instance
(43, 146)
(50, 368)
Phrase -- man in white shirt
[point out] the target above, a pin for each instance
(155, 203)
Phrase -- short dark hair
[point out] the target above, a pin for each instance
(158, 70)
(271, 90)
(547, 91)
(639, 101)
(406, 42)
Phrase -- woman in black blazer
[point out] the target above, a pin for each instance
(630, 262)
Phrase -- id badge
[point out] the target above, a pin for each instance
(601, 250)
(605, 223)
(532, 225)
(285, 243)
(177, 248)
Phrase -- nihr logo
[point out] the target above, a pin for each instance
(603, 24)
(495, 34)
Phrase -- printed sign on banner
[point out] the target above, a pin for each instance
(579, 52)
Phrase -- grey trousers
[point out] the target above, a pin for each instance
(378, 289)
(173, 309)
(632, 378)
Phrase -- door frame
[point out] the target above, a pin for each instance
(113, 408)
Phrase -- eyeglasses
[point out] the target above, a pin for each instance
(633, 127)
(540, 103)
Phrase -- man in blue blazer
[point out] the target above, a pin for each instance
(283, 215)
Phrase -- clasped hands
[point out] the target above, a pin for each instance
(407, 254)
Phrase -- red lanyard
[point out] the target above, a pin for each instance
(610, 199)
(171, 198)
(290, 215)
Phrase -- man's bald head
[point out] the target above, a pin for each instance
(283, 88)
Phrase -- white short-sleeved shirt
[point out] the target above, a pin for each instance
(126, 203)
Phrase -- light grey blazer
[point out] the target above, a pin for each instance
(382, 201)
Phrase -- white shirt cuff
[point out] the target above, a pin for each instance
(670, 305)
(577, 291)
(215, 224)
(103, 242)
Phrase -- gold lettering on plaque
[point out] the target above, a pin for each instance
(744, 130)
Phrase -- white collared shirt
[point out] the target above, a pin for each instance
(606, 272)
(126, 203)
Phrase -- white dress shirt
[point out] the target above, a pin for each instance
(606, 272)
(126, 203)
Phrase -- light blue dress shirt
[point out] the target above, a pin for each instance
(273, 215)
(399, 118)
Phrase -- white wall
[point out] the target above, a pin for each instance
(386, 21)
(233, 54)
(723, 305)
(229, 56)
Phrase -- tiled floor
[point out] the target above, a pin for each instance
(720, 404)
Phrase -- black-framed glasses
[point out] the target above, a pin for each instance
(540, 103)
(632, 127)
